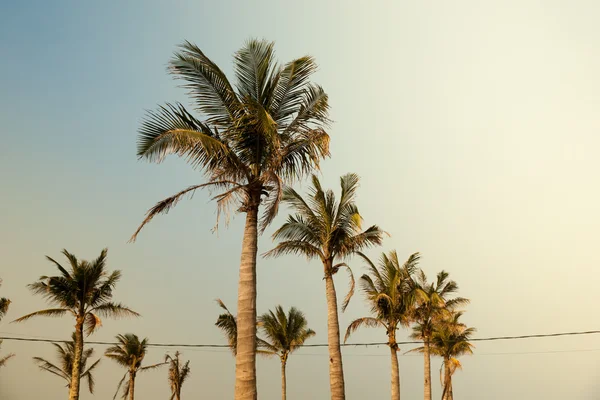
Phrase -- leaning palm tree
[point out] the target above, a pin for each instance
(66, 355)
(129, 353)
(4, 304)
(329, 231)
(177, 374)
(253, 139)
(433, 305)
(85, 292)
(284, 334)
(390, 291)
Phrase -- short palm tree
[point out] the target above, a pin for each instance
(4, 304)
(330, 231)
(283, 335)
(85, 292)
(253, 139)
(66, 355)
(433, 305)
(129, 353)
(390, 291)
(227, 322)
(178, 373)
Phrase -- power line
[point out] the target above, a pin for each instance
(184, 345)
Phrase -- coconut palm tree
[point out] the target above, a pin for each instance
(129, 353)
(265, 133)
(284, 334)
(390, 291)
(4, 304)
(329, 231)
(227, 322)
(177, 374)
(433, 305)
(85, 292)
(66, 355)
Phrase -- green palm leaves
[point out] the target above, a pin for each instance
(178, 374)
(66, 356)
(284, 333)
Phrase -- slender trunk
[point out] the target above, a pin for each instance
(76, 371)
(336, 369)
(245, 360)
(426, 355)
(131, 385)
(446, 393)
(395, 369)
(283, 380)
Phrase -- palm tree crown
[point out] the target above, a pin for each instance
(129, 353)
(227, 322)
(284, 333)
(66, 356)
(177, 374)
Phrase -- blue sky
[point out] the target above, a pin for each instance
(473, 125)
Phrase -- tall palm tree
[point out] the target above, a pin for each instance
(4, 304)
(390, 291)
(85, 292)
(265, 133)
(177, 374)
(329, 231)
(284, 334)
(433, 305)
(129, 353)
(66, 355)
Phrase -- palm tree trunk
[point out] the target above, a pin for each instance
(395, 368)
(336, 369)
(131, 385)
(283, 381)
(427, 373)
(76, 371)
(446, 395)
(245, 360)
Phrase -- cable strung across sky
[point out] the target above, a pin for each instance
(484, 339)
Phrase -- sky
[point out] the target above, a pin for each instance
(474, 128)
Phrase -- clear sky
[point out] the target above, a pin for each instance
(473, 124)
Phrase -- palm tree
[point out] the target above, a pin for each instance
(390, 291)
(324, 229)
(177, 374)
(85, 291)
(4, 304)
(433, 306)
(66, 355)
(129, 353)
(227, 322)
(285, 334)
(254, 139)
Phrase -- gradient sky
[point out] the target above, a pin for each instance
(473, 124)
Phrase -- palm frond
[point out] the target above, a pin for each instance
(4, 359)
(365, 321)
(352, 283)
(51, 312)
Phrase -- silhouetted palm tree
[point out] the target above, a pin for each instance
(177, 374)
(324, 229)
(265, 133)
(390, 291)
(433, 305)
(129, 353)
(283, 334)
(66, 355)
(227, 322)
(84, 292)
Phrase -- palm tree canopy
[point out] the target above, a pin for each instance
(266, 130)
(325, 228)
(84, 290)
(284, 333)
(451, 338)
(228, 324)
(177, 373)
(390, 291)
(433, 303)
(66, 354)
(4, 304)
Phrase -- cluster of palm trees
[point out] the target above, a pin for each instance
(255, 140)
(84, 291)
